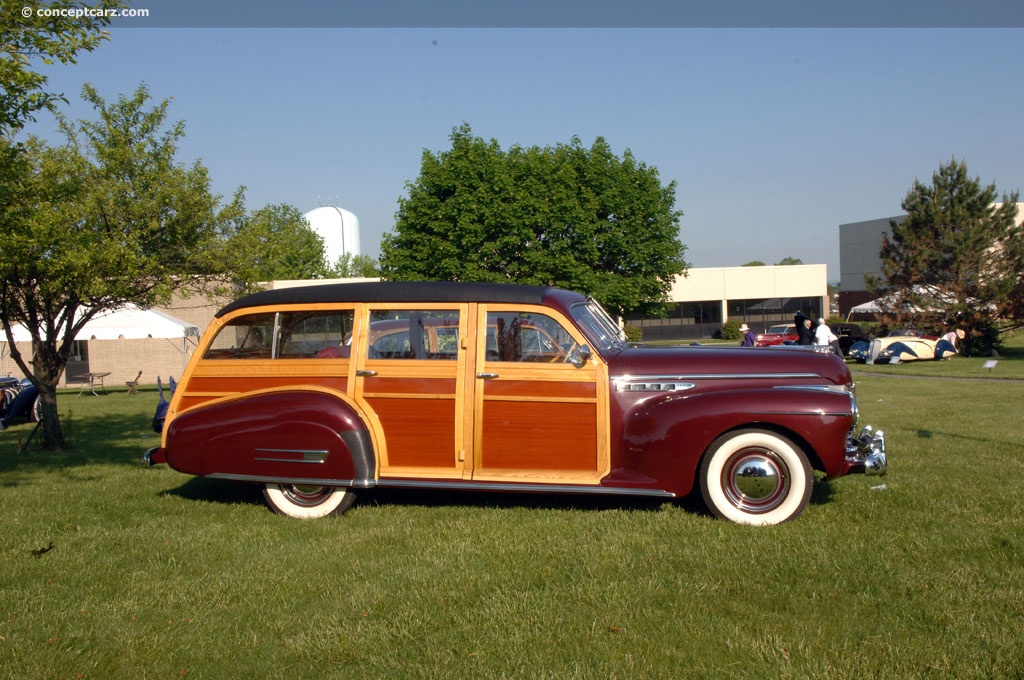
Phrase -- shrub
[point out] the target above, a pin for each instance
(731, 330)
(633, 333)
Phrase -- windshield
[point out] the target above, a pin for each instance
(600, 329)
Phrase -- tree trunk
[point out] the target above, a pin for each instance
(53, 433)
(48, 368)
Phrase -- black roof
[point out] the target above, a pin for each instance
(394, 291)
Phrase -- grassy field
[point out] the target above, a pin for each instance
(152, 574)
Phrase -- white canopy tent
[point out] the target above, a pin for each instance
(129, 322)
(126, 323)
(869, 307)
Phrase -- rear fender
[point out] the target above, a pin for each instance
(310, 435)
(666, 437)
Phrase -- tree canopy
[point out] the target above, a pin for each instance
(957, 260)
(349, 265)
(276, 242)
(575, 217)
(28, 43)
(786, 261)
(109, 218)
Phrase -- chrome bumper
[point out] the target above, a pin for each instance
(866, 452)
(154, 456)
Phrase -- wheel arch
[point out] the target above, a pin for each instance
(301, 434)
(814, 420)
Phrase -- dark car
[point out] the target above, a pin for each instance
(501, 388)
(848, 333)
(18, 399)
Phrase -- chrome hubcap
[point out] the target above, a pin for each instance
(305, 495)
(755, 480)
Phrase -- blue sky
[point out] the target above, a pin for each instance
(773, 136)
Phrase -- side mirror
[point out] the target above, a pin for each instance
(580, 356)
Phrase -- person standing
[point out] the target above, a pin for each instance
(748, 336)
(824, 336)
(805, 336)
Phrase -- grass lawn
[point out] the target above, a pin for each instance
(153, 574)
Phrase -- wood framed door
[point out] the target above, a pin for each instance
(539, 418)
(411, 376)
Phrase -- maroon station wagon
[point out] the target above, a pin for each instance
(319, 392)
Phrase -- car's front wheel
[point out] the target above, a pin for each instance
(308, 501)
(756, 476)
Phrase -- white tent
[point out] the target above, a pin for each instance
(869, 307)
(129, 322)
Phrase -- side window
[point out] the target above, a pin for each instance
(244, 337)
(310, 335)
(527, 336)
(288, 335)
(413, 334)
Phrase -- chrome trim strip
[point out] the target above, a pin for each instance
(365, 484)
(308, 455)
(714, 376)
(816, 413)
(506, 486)
(454, 486)
(841, 389)
(653, 386)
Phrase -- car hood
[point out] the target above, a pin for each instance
(699, 360)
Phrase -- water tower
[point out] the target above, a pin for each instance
(338, 228)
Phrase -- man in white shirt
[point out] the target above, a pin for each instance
(824, 336)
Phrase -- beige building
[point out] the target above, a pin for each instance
(758, 296)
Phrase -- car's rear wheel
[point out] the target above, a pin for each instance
(756, 476)
(308, 501)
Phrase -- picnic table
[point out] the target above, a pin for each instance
(90, 384)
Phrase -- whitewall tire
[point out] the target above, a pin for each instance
(756, 476)
(307, 501)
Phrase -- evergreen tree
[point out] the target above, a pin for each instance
(955, 261)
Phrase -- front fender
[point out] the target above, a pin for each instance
(665, 437)
(290, 436)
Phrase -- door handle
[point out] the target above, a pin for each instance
(366, 374)
(487, 376)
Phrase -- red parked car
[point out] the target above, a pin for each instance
(776, 335)
(319, 392)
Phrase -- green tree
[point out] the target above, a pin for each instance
(955, 261)
(108, 218)
(789, 261)
(566, 215)
(276, 242)
(754, 263)
(349, 265)
(29, 43)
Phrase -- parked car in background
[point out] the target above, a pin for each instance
(18, 399)
(776, 335)
(491, 387)
(848, 333)
(900, 348)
